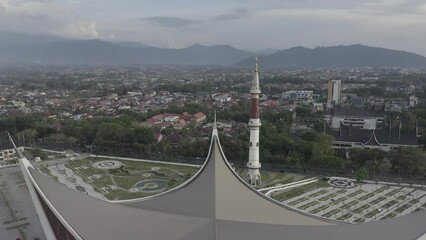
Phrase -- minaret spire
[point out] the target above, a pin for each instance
(255, 87)
(253, 175)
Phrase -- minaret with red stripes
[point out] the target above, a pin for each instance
(253, 175)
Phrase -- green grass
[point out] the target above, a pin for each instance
(128, 175)
(390, 215)
(339, 200)
(390, 204)
(308, 205)
(366, 196)
(403, 208)
(298, 201)
(372, 213)
(276, 181)
(299, 191)
(316, 194)
(319, 209)
(329, 196)
(344, 217)
(382, 189)
(359, 191)
(377, 200)
(360, 209)
(402, 197)
(350, 204)
(391, 193)
(331, 213)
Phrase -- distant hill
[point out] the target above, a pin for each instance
(25, 48)
(338, 56)
(28, 48)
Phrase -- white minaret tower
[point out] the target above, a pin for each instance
(253, 175)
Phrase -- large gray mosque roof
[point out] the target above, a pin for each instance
(214, 204)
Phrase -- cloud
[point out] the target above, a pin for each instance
(237, 13)
(171, 22)
(79, 30)
(42, 1)
(396, 6)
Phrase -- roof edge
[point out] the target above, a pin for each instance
(189, 181)
(267, 198)
(35, 189)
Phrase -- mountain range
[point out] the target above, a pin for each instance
(339, 56)
(24, 48)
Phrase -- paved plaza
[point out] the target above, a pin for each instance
(18, 217)
(360, 203)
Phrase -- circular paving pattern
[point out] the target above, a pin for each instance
(151, 185)
(107, 164)
(80, 188)
(341, 183)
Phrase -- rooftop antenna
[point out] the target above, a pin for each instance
(400, 126)
(417, 129)
(325, 130)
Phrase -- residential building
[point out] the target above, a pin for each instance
(8, 157)
(334, 88)
(413, 101)
(357, 117)
(299, 95)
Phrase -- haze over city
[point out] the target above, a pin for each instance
(213, 120)
(250, 25)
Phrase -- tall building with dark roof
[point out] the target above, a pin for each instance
(349, 136)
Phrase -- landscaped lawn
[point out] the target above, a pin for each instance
(299, 191)
(128, 176)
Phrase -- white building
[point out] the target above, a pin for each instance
(413, 101)
(8, 157)
(299, 95)
(356, 117)
(334, 90)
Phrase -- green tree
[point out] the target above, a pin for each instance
(408, 161)
(323, 153)
(361, 175)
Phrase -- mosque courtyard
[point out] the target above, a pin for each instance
(113, 179)
(345, 201)
(353, 202)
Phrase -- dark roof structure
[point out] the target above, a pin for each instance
(215, 204)
(387, 135)
(357, 112)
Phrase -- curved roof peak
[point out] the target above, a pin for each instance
(215, 204)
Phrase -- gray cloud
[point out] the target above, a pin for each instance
(238, 13)
(409, 6)
(171, 22)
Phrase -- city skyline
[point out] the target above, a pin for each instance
(248, 25)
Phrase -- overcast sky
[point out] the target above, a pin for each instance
(245, 24)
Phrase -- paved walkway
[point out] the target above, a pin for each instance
(364, 203)
(58, 170)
